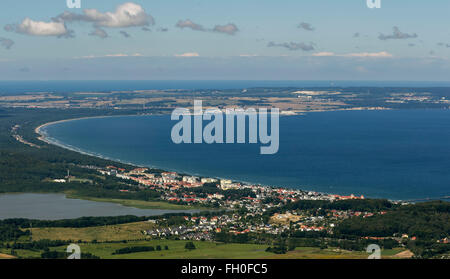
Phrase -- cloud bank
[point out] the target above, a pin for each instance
(6, 43)
(98, 32)
(126, 15)
(397, 35)
(188, 54)
(306, 26)
(293, 46)
(382, 54)
(229, 29)
(189, 24)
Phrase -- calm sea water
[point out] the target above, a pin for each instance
(390, 154)
(57, 206)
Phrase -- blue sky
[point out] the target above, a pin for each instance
(205, 39)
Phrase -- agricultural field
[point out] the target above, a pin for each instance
(211, 250)
(130, 231)
(204, 250)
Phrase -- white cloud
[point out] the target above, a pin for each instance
(188, 54)
(382, 54)
(39, 28)
(369, 54)
(126, 15)
(110, 56)
(324, 54)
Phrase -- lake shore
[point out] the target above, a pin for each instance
(59, 206)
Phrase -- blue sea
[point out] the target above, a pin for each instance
(400, 155)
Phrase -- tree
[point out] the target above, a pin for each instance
(190, 246)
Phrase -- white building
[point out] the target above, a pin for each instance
(190, 179)
(209, 180)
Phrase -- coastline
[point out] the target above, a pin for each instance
(44, 138)
(158, 205)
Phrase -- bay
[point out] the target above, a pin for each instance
(398, 154)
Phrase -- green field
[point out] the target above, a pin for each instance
(211, 250)
(207, 250)
(129, 231)
(110, 238)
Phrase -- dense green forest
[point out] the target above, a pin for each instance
(355, 205)
(24, 168)
(428, 221)
(136, 249)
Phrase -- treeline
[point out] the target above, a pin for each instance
(233, 238)
(428, 249)
(63, 255)
(370, 205)
(11, 227)
(82, 222)
(11, 232)
(283, 245)
(428, 221)
(25, 173)
(28, 169)
(137, 249)
(138, 194)
(43, 244)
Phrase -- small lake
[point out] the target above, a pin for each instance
(57, 206)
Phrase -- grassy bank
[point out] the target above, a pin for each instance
(138, 203)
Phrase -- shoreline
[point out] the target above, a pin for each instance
(119, 207)
(137, 204)
(44, 138)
